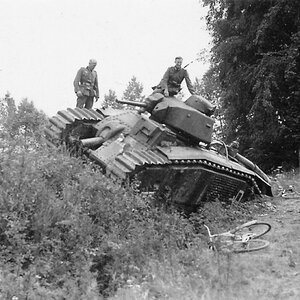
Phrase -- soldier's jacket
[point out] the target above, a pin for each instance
(174, 77)
(86, 81)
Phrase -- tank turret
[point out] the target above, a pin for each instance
(191, 119)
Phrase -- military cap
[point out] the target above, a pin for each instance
(93, 61)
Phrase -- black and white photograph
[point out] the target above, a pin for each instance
(150, 149)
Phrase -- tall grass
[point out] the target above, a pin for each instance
(67, 232)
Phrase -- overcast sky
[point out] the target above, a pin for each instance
(45, 42)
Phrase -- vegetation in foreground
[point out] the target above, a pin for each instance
(67, 232)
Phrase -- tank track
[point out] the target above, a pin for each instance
(65, 120)
(135, 161)
(128, 161)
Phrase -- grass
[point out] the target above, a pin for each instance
(282, 181)
(269, 274)
(67, 232)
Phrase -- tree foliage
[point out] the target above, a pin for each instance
(23, 122)
(256, 59)
(110, 100)
(134, 90)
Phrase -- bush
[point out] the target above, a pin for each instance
(68, 232)
(63, 224)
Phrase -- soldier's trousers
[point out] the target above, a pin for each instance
(85, 102)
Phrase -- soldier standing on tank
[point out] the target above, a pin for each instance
(173, 77)
(86, 85)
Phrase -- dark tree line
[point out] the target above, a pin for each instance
(256, 61)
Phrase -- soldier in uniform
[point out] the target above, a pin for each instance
(173, 77)
(86, 85)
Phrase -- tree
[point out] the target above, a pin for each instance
(29, 122)
(110, 100)
(256, 61)
(133, 91)
(22, 123)
(8, 112)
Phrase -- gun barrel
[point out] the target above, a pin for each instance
(134, 103)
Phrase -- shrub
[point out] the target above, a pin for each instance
(67, 231)
(59, 215)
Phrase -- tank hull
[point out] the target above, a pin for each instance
(129, 146)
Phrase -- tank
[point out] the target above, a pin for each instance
(164, 144)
